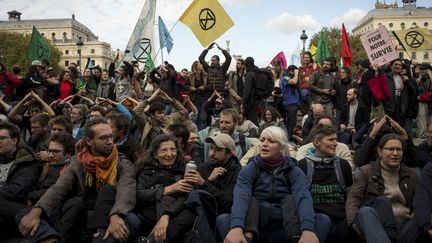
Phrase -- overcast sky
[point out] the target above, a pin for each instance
(262, 28)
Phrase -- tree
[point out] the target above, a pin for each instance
(334, 41)
(14, 48)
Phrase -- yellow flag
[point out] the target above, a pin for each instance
(207, 19)
(313, 50)
(417, 39)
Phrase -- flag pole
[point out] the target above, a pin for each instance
(169, 32)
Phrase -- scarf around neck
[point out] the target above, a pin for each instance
(271, 164)
(316, 158)
(105, 168)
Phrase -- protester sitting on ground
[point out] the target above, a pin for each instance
(213, 107)
(328, 173)
(317, 110)
(19, 171)
(100, 183)
(274, 214)
(161, 191)
(152, 123)
(40, 132)
(423, 202)
(78, 118)
(60, 124)
(367, 150)
(379, 204)
(219, 176)
(246, 127)
(228, 122)
(271, 117)
(423, 152)
(192, 150)
(342, 150)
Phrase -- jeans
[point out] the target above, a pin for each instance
(291, 118)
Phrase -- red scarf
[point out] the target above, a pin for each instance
(271, 164)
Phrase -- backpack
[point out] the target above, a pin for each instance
(264, 83)
(336, 165)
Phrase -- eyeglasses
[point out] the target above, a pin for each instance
(216, 149)
(106, 138)
(53, 152)
(4, 137)
(398, 150)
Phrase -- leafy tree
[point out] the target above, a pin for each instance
(333, 38)
(14, 48)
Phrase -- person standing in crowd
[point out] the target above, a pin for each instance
(198, 87)
(236, 83)
(306, 70)
(249, 101)
(8, 81)
(106, 86)
(397, 104)
(165, 78)
(66, 86)
(105, 181)
(216, 72)
(342, 85)
(322, 86)
(424, 81)
(379, 204)
(291, 97)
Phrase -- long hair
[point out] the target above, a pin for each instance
(149, 156)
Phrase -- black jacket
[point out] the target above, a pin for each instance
(423, 154)
(222, 189)
(22, 177)
(249, 83)
(361, 116)
(150, 187)
(341, 87)
(422, 199)
(132, 149)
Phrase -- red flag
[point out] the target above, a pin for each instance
(281, 57)
(346, 48)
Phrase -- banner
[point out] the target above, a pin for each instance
(417, 39)
(207, 20)
(281, 58)
(346, 48)
(165, 38)
(38, 48)
(140, 43)
(378, 46)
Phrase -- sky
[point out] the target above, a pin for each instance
(262, 28)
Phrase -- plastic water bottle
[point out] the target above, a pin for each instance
(190, 166)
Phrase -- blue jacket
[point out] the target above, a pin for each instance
(289, 92)
(269, 190)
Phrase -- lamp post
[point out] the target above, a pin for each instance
(303, 38)
(79, 44)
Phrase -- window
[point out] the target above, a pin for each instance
(391, 25)
(92, 51)
(67, 52)
(66, 63)
(426, 55)
(426, 24)
(403, 25)
(93, 62)
(413, 55)
(401, 55)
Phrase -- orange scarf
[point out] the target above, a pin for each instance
(105, 168)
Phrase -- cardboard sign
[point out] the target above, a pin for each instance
(378, 46)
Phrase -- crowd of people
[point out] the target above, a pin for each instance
(289, 154)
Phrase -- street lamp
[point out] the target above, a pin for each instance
(303, 38)
(79, 44)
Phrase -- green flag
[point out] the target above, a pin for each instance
(322, 49)
(38, 48)
(149, 65)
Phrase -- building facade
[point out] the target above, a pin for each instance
(395, 17)
(64, 34)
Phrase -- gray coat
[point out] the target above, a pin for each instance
(74, 175)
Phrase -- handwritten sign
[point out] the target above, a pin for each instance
(378, 46)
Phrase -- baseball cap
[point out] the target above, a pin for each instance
(36, 63)
(222, 140)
